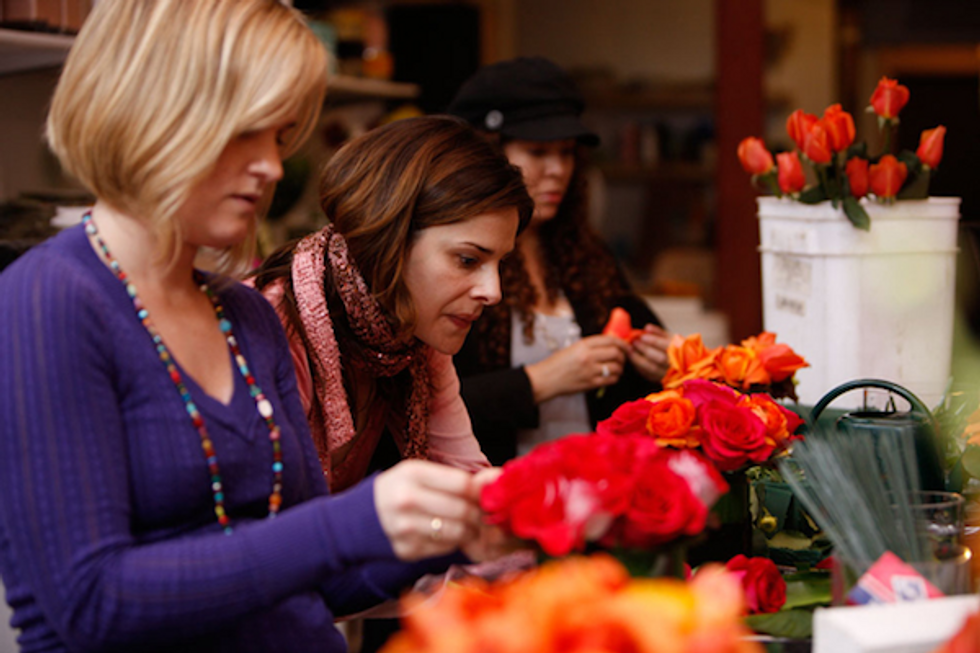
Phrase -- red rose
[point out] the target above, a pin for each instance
(700, 392)
(733, 436)
(665, 503)
(629, 419)
(816, 144)
(765, 589)
(790, 178)
(564, 492)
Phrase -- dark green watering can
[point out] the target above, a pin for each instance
(916, 424)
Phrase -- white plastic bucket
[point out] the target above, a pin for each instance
(862, 304)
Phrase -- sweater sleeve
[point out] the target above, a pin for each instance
(65, 495)
(451, 439)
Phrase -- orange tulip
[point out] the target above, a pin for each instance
(857, 176)
(888, 98)
(839, 126)
(816, 144)
(741, 367)
(930, 150)
(791, 179)
(798, 126)
(887, 176)
(755, 158)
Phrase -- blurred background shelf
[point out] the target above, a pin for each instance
(344, 88)
(21, 51)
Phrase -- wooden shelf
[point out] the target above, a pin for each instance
(674, 171)
(343, 88)
(22, 50)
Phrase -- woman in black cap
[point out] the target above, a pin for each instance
(535, 367)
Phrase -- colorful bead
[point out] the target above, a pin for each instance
(262, 405)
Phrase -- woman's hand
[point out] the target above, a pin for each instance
(590, 363)
(491, 542)
(427, 509)
(648, 353)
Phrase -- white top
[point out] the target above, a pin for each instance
(561, 415)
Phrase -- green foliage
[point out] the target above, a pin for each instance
(793, 624)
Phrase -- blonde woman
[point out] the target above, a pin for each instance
(159, 489)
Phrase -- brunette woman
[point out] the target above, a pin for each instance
(536, 367)
(421, 211)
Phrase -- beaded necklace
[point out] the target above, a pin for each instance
(262, 404)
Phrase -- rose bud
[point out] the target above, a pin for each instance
(930, 150)
(791, 179)
(755, 158)
(857, 176)
(840, 127)
(887, 176)
(816, 144)
(798, 125)
(888, 98)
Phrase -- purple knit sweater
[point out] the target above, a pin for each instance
(108, 539)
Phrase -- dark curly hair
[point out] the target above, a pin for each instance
(576, 263)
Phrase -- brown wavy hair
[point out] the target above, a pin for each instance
(576, 263)
(385, 186)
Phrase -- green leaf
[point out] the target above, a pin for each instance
(917, 188)
(971, 461)
(794, 624)
(807, 590)
(856, 213)
(911, 161)
(813, 195)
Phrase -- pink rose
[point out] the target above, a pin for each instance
(765, 589)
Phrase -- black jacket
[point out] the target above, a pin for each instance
(500, 400)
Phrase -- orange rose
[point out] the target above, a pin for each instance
(887, 176)
(781, 362)
(798, 126)
(763, 407)
(689, 359)
(670, 422)
(741, 367)
(857, 176)
(762, 341)
(816, 144)
(790, 176)
(754, 157)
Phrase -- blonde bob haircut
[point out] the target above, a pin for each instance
(154, 90)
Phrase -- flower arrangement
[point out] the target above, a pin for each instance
(844, 170)
(758, 364)
(621, 492)
(732, 429)
(577, 605)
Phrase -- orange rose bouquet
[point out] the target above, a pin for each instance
(580, 605)
(757, 364)
(844, 170)
(732, 429)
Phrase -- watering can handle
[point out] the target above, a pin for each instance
(866, 383)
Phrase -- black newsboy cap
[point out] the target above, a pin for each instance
(527, 98)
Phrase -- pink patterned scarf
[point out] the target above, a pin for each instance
(377, 351)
